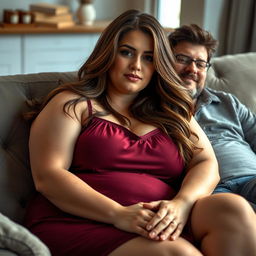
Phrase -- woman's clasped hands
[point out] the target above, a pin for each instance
(157, 220)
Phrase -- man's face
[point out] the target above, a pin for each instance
(192, 73)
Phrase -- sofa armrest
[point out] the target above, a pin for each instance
(19, 240)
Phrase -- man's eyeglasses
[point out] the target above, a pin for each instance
(186, 60)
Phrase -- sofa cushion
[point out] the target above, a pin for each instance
(235, 74)
(17, 239)
(15, 176)
(6, 252)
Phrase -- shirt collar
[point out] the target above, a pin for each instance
(206, 97)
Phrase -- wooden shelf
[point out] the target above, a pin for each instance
(97, 27)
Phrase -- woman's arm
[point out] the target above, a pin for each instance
(201, 178)
(203, 173)
(52, 141)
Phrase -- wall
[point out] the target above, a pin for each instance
(206, 13)
(192, 12)
(105, 9)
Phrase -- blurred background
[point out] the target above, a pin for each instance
(232, 22)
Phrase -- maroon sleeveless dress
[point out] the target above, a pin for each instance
(119, 164)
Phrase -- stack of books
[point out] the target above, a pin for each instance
(52, 15)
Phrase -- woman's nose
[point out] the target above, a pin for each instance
(136, 63)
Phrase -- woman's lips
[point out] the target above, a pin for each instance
(132, 77)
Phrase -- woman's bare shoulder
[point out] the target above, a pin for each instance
(65, 96)
(71, 103)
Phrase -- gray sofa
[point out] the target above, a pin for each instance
(234, 73)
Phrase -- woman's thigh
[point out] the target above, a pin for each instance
(218, 212)
(143, 246)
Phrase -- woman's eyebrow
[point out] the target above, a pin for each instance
(128, 46)
(132, 48)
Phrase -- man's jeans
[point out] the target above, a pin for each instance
(244, 186)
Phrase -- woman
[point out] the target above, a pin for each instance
(120, 163)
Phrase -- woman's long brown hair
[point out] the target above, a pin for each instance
(163, 103)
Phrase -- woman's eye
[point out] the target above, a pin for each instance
(148, 58)
(125, 52)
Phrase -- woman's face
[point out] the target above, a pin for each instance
(133, 67)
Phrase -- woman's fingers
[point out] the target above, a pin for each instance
(176, 233)
(143, 232)
(165, 230)
(167, 222)
(134, 219)
(168, 230)
(142, 218)
(151, 205)
(172, 231)
(161, 216)
(161, 225)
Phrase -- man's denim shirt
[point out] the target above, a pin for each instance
(231, 128)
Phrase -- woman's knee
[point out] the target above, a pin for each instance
(221, 211)
(226, 204)
(237, 209)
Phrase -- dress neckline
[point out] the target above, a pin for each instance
(144, 136)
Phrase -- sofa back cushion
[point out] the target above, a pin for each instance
(235, 74)
(15, 176)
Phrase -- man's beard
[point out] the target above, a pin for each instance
(196, 91)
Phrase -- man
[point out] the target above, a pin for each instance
(229, 125)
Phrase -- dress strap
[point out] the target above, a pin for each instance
(89, 104)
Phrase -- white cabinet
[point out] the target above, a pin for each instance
(28, 53)
(10, 54)
(60, 53)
